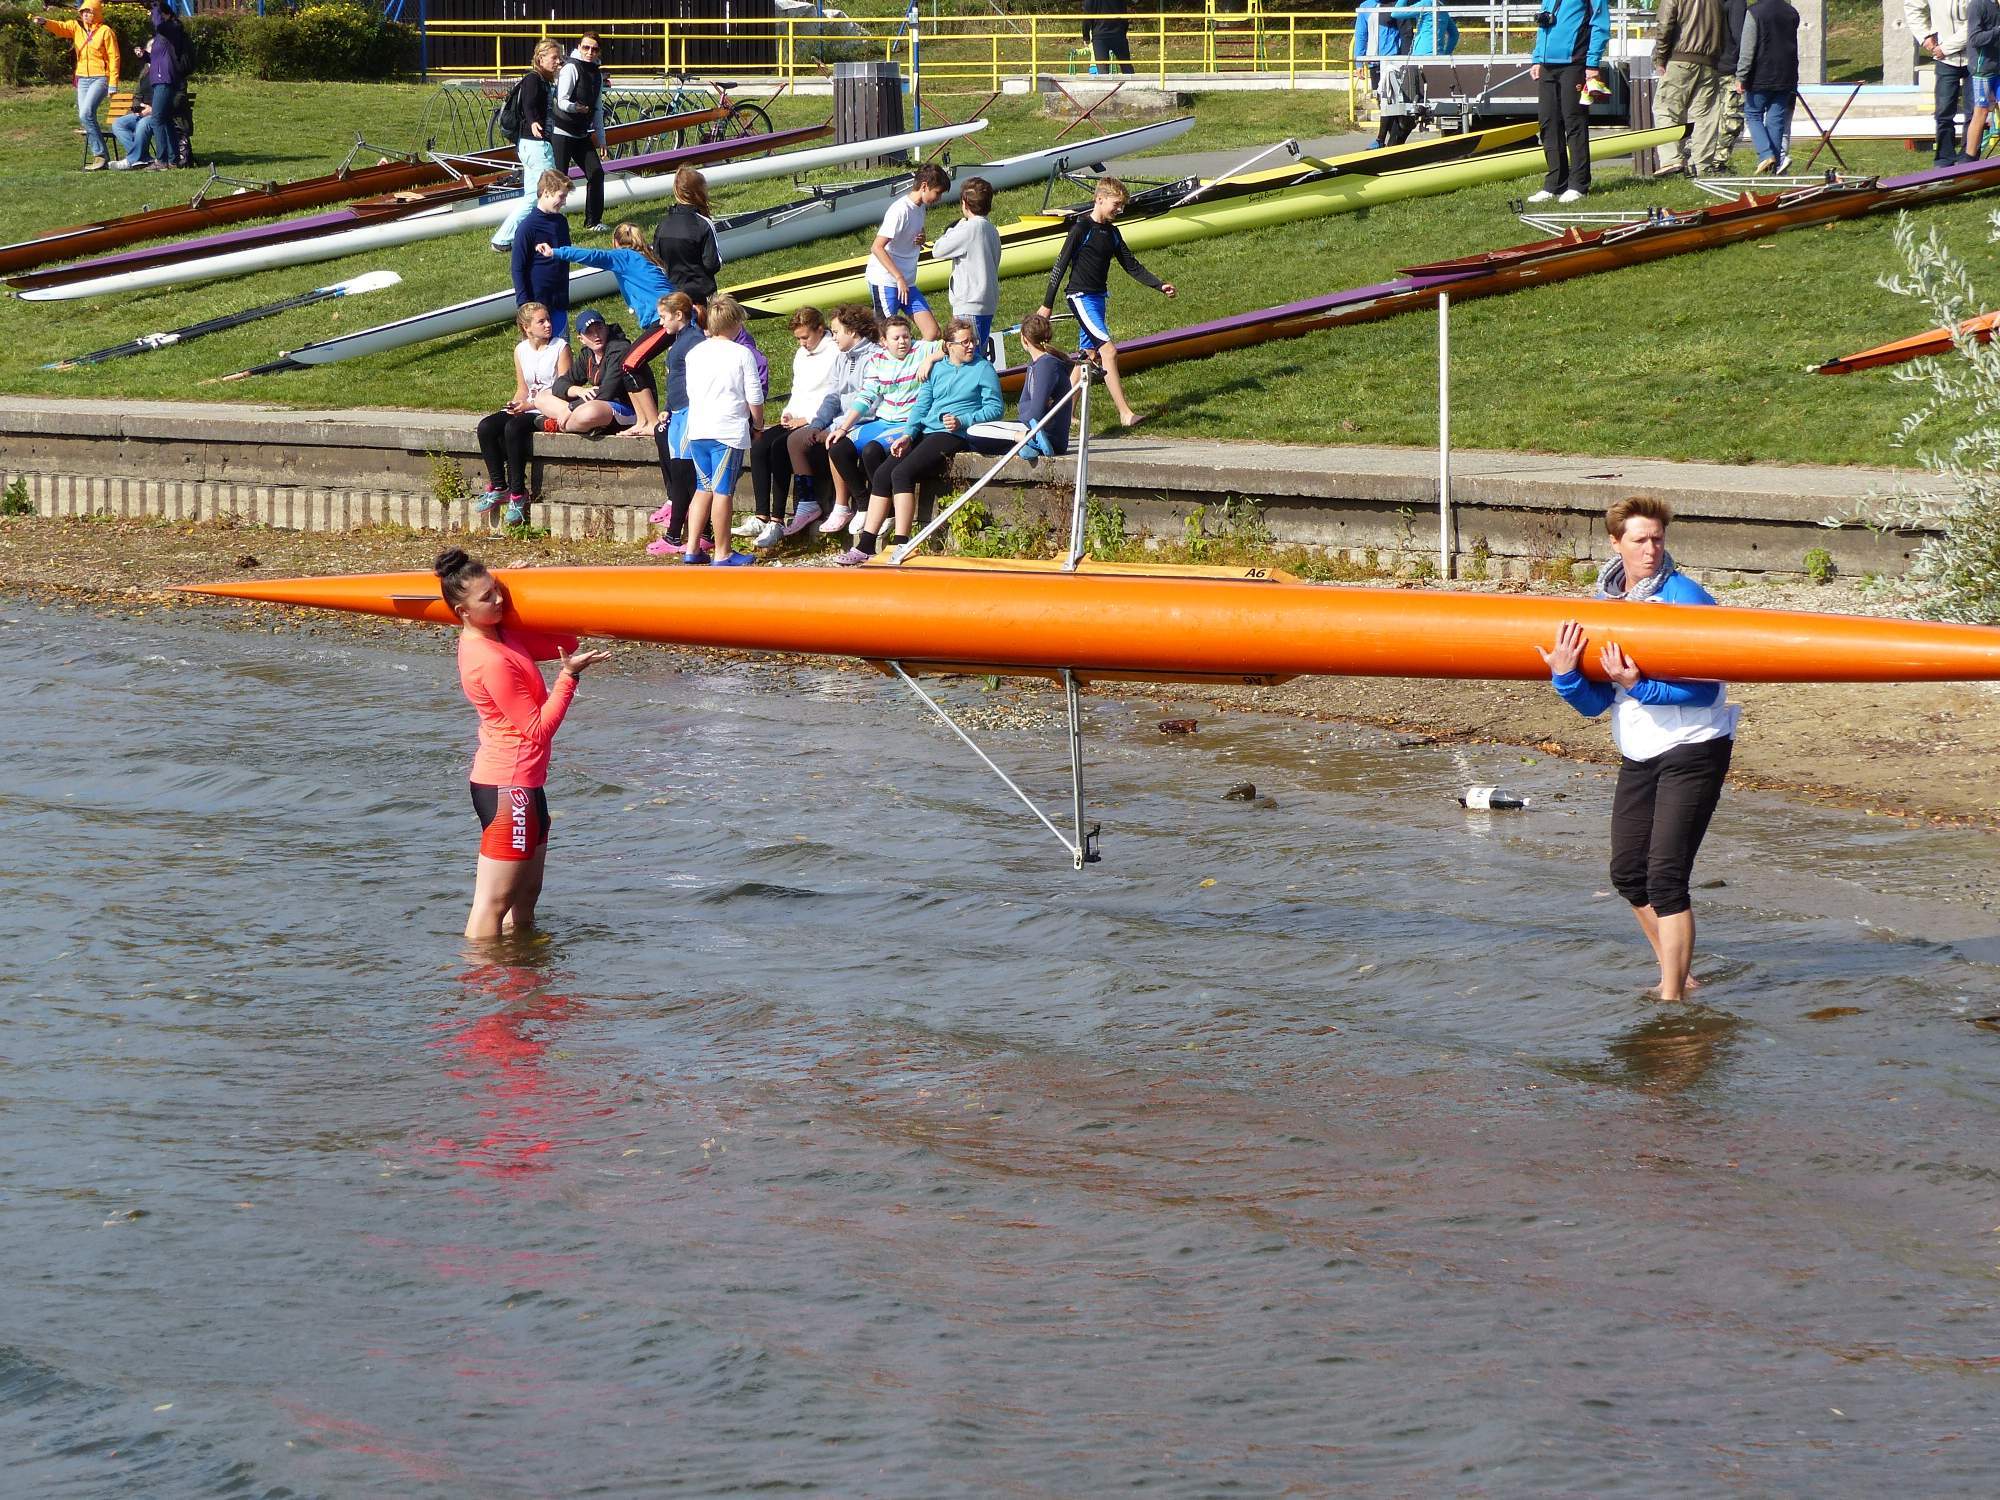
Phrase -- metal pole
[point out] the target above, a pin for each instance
(1080, 850)
(1082, 472)
(1444, 435)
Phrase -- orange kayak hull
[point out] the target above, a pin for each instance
(1918, 346)
(1164, 626)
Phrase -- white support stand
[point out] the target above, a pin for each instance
(1444, 436)
(1083, 846)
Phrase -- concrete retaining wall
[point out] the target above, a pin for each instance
(344, 469)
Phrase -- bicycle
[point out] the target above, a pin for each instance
(628, 105)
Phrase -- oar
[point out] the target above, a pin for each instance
(373, 281)
(1289, 144)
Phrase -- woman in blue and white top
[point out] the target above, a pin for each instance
(1674, 741)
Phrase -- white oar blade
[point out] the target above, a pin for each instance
(373, 281)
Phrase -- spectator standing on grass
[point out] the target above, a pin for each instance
(1982, 53)
(1687, 43)
(1105, 27)
(576, 121)
(972, 245)
(1939, 27)
(528, 104)
(153, 95)
(684, 240)
(537, 277)
(1570, 38)
(1767, 77)
(1728, 97)
(96, 47)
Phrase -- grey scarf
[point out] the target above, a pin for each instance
(1611, 579)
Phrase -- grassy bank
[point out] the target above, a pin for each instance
(1699, 357)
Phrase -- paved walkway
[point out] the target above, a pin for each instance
(1141, 459)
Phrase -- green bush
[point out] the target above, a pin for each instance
(336, 42)
(330, 43)
(30, 55)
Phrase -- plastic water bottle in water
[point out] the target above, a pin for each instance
(1490, 799)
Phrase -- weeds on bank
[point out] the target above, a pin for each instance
(15, 501)
(1954, 571)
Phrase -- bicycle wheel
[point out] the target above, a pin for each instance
(743, 120)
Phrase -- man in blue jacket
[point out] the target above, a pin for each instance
(1570, 39)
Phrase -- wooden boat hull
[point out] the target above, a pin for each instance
(1918, 346)
(385, 209)
(284, 198)
(1164, 627)
(1541, 262)
(1200, 221)
(457, 218)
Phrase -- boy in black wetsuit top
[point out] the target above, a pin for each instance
(1092, 244)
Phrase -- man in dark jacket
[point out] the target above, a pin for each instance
(1104, 26)
(153, 93)
(576, 126)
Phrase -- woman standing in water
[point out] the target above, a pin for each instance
(518, 719)
(1674, 741)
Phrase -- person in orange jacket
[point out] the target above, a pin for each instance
(96, 47)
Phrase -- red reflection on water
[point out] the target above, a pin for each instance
(502, 1054)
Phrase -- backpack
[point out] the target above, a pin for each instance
(511, 108)
(183, 48)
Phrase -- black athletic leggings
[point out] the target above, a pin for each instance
(507, 442)
(924, 459)
(770, 457)
(678, 475)
(574, 151)
(841, 455)
(1658, 816)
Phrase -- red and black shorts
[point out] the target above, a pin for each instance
(515, 820)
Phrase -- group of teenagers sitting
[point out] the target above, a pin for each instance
(874, 410)
(872, 414)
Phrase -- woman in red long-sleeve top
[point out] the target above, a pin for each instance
(518, 719)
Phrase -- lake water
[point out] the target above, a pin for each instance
(838, 1138)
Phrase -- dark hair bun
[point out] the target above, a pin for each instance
(452, 560)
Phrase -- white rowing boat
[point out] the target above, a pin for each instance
(838, 211)
(476, 214)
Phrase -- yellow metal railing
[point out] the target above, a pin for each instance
(964, 52)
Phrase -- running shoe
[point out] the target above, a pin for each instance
(1765, 167)
(661, 547)
(735, 560)
(488, 499)
(854, 526)
(664, 516)
(517, 511)
(802, 519)
(1784, 165)
(853, 557)
(1540, 195)
(748, 526)
(770, 536)
(837, 522)
(1571, 195)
